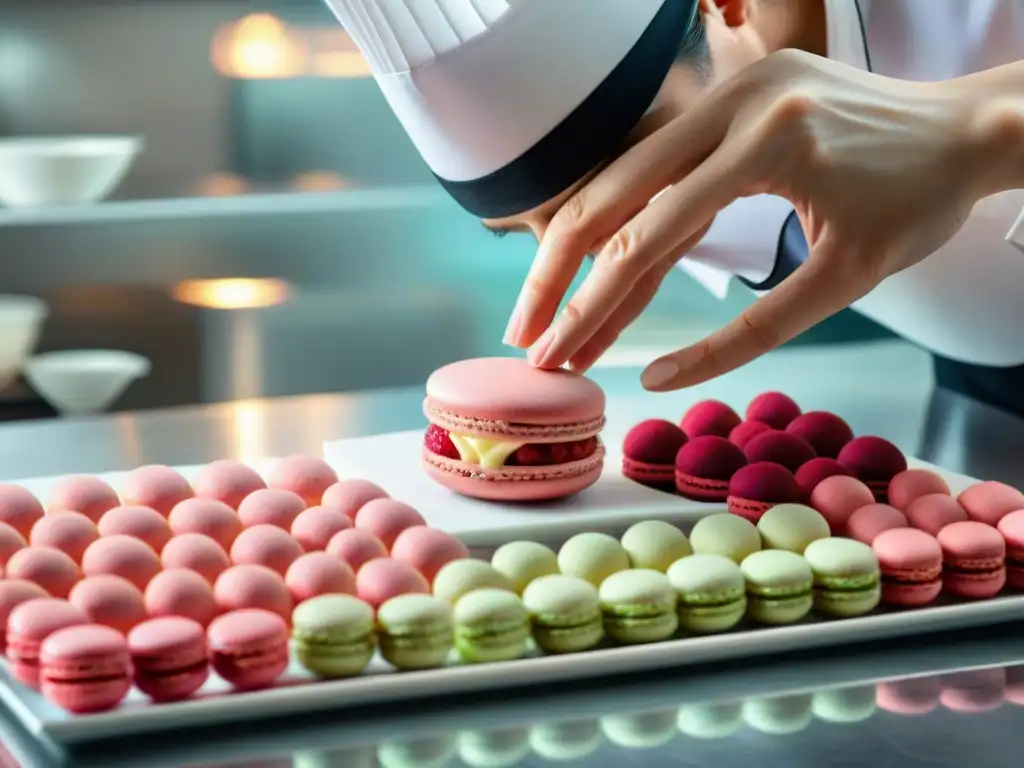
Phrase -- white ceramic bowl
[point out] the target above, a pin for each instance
(84, 381)
(21, 317)
(63, 170)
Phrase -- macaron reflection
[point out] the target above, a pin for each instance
(567, 740)
(420, 753)
(494, 749)
(642, 730)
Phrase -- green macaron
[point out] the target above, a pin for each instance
(460, 577)
(332, 635)
(792, 527)
(523, 561)
(655, 544)
(711, 591)
(491, 625)
(779, 586)
(639, 606)
(565, 612)
(847, 581)
(592, 557)
(415, 631)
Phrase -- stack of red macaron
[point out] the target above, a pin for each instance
(144, 573)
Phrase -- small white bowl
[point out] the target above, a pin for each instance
(63, 170)
(21, 317)
(85, 381)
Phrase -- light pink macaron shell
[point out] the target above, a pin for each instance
(511, 483)
(19, 508)
(208, 516)
(271, 506)
(974, 691)
(198, 553)
(427, 549)
(143, 523)
(70, 532)
(386, 518)
(253, 586)
(11, 541)
(349, 496)
(109, 600)
(381, 579)
(266, 545)
(934, 512)
(508, 389)
(181, 592)
(50, 568)
(227, 480)
(315, 527)
(356, 547)
(990, 501)
(122, 556)
(14, 592)
(907, 549)
(156, 486)
(838, 497)
(318, 573)
(86, 494)
(308, 476)
(869, 521)
(912, 484)
(971, 541)
(916, 696)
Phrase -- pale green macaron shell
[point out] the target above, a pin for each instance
(524, 561)
(847, 581)
(727, 535)
(711, 591)
(460, 577)
(639, 606)
(655, 544)
(779, 586)
(565, 612)
(491, 625)
(592, 557)
(792, 527)
(332, 635)
(415, 631)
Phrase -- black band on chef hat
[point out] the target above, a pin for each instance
(591, 133)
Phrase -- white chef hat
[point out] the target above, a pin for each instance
(512, 101)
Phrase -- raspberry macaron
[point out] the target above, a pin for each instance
(779, 447)
(825, 432)
(775, 409)
(649, 453)
(875, 461)
(756, 488)
(704, 467)
(709, 417)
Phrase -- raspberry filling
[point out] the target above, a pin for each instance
(438, 441)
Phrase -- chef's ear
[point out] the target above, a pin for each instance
(732, 12)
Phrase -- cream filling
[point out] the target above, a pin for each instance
(488, 453)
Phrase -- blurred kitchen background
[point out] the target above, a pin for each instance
(276, 235)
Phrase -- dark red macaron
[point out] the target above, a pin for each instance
(826, 433)
(756, 488)
(649, 453)
(779, 447)
(704, 467)
(709, 417)
(774, 409)
(746, 431)
(875, 461)
(814, 471)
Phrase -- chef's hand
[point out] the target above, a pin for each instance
(881, 172)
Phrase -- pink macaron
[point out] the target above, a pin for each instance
(356, 547)
(974, 560)
(990, 501)
(228, 481)
(349, 496)
(14, 592)
(1012, 529)
(142, 523)
(911, 484)
(266, 545)
(911, 565)
(314, 527)
(386, 518)
(869, 521)
(85, 669)
(155, 486)
(271, 506)
(381, 579)
(1015, 684)
(210, 517)
(181, 592)
(50, 568)
(253, 586)
(910, 697)
(169, 658)
(249, 648)
(974, 691)
(85, 494)
(70, 532)
(122, 556)
(934, 512)
(28, 625)
(838, 497)
(815, 471)
(196, 552)
(307, 476)
(318, 573)
(109, 600)
(19, 508)
(428, 549)
(11, 541)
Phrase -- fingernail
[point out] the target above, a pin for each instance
(538, 354)
(514, 329)
(659, 373)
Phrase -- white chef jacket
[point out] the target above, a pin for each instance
(966, 301)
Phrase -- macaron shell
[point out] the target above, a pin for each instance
(565, 612)
(514, 483)
(228, 481)
(974, 555)
(156, 486)
(85, 669)
(933, 512)
(1012, 529)
(249, 648)
(19, 508)
(792, 527)
(169, 656)
(869, 521)
(911, 565)
(838, 497)
(85, 494)
(990, 501)
(523, 562)
(70, 532)
(655, 544)
(639, 606)
(728, 535)
(912, 484)
(592, 557)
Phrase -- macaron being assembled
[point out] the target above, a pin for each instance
(649, 453)
(825, 432)
(704, 466)
(875, 461)
(85, 494)
(155, 486)
(847, 580)
(11, 541)
(19, 508)
(85, 669)
(314, 527)
(249, 648)
(503, 429)
(184, 593)
(709, 417)
(911, 484)
(142, 523)
(593, 557)
(779, 447)
(109, 600)
(228, 481)
(28, 625)
(791, 527)
(271, 506)
(50, 568)
(639, 606)
(14, 592)
(746, 431)
(565, 613)
(974, 560)
(934, 512)
(349, 496)
(838, 497)
(711, 592)
(307, 476)
(266, 545)
(386, 518)
(318, 573)
(869, 521)
(774, 409)
(206, 516)
(655, 544)
(779, 586)
(198, 553)
(253, 586)
(356, 547)
(332, 635)
(813, 472)
(1012, 529)
(169, 658)
(415, 631)
(911, 565)
(459, 577)
(427, 549)
(522, 562)
(727, 535)
(990, 501)
(491, 625)
(384, 578)
(756, 488)
(70, 532)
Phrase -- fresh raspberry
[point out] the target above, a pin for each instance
(438, 441)
(582, 449)
(549, 454)
(531, 455)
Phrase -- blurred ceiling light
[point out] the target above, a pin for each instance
(335, 55)
(222, 185)
(259, 47)
(318, 181)
(232, 293)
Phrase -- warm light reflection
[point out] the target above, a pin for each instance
(258, 47)
(334, 54)
(318, 181)
(222, 185)
(249, 431)
(232, 293)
